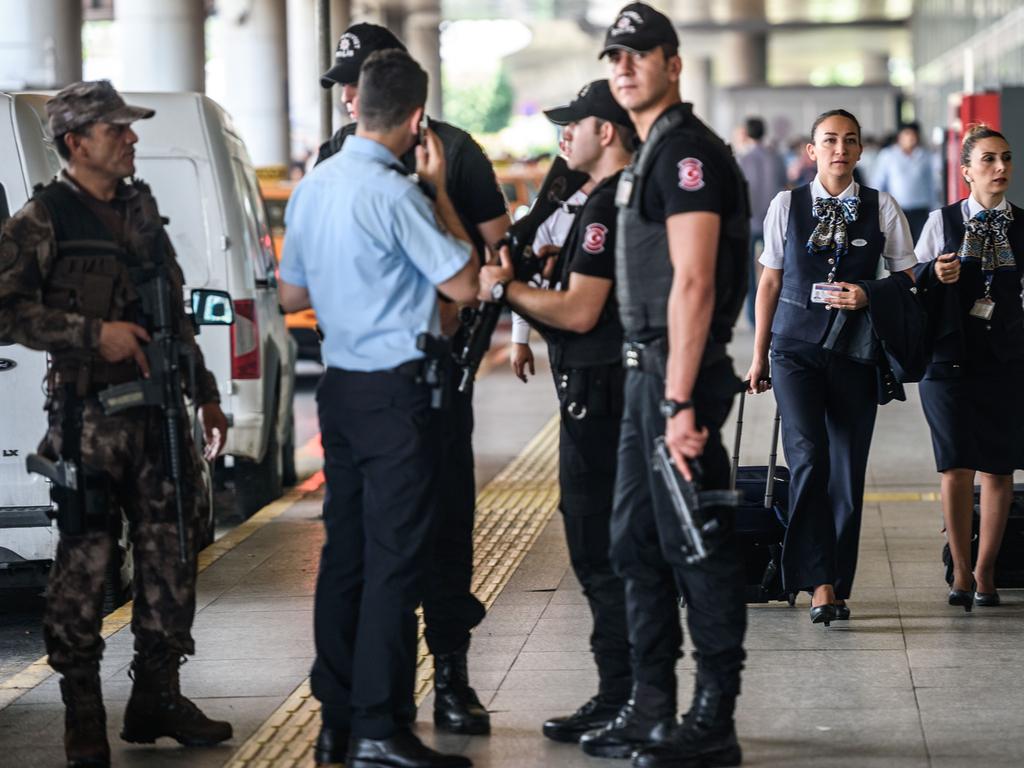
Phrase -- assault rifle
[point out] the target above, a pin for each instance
(558, 186)
(695, 509)
(165, 354)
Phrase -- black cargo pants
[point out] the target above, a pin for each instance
(587, 455)
(647, 545)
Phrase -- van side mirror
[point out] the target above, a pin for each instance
(212, 307)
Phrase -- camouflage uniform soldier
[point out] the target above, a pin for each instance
(69, 280)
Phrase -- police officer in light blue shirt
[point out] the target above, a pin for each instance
(368, 251)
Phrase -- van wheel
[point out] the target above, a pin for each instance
(259, 483)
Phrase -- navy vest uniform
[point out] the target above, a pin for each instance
(971, 395)
(797, 317)
(827, 402)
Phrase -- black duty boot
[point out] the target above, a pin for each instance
(331, 746)
(456, 706)
(85, 720)
(706, 738)
(402, 750)
(156, 708)
(596, 713)
(648, 718)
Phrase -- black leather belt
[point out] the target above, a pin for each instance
(411, 368)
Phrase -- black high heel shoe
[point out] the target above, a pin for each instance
(823, 614)
(987, 599)
(842, 612)
(964, 597)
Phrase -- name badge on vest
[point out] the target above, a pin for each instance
(860, 242)
(820, 292)
(624, 191)
(983, 309)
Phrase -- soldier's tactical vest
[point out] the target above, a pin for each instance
(1002, 336)
(602, 345)
(96, 276)
(797, 317)
(643, 267)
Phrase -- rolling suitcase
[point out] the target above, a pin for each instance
(761, 517)
(1010, 563)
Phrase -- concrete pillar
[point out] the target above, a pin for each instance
(303, 78)
(163, 45)
(256, 75)
(743, 56)
(696, 84)
(40, 44)
(423, 38)
(876, 67)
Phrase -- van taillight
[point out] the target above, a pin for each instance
(245, 341)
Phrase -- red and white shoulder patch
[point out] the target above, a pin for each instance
(594, 238)
(691, 174)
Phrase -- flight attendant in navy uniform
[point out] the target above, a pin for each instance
(971, 272)
(819, 240)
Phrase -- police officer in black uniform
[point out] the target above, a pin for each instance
(681, 249)
(581, 326)
(450, 610)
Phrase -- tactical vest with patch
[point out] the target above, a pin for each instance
(643, 266)
(601, 345)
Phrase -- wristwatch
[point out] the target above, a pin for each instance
(670, 408)
(498, 291)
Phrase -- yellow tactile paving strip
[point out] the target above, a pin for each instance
(511, 511)
(38, 671)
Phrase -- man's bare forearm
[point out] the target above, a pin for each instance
(690, 306)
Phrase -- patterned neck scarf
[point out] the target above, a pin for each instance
(986, 240)
(833, 215)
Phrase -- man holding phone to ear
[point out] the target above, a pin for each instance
(450, 610)
(371, 259)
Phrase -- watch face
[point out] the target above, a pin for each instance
(498, 291)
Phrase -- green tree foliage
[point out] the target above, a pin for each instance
(482, 104)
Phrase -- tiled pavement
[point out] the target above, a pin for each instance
(908, 681)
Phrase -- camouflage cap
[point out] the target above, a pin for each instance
(96, 101)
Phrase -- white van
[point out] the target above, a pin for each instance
(204, 182)
(28, 539)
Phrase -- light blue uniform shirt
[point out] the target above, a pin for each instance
(363, 239)
(908, 178)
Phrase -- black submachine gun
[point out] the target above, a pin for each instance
(479, 322)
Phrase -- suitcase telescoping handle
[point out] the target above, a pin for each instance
(769, 485)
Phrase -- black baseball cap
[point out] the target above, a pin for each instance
(593, 100)
(354, 46)
(639, 28)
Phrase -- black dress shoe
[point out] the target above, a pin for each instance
(842, 612)
(987, 599)
(823, 614)
(331, 746)
(962, 597)
(457, 709)
(627, 732)
(596, 713)
(402, 750)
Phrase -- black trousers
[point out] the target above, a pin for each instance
(380, 455)
(828, 405)
(916, 218)
(587, 453)
(647, 546)
(450, 609)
